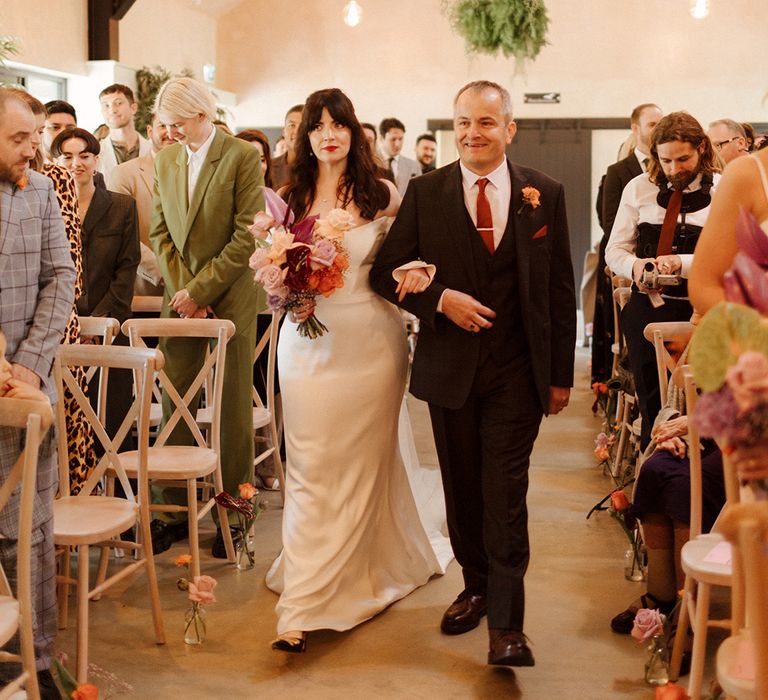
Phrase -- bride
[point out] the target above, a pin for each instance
(354, 540)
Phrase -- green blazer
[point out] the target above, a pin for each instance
(204, 246)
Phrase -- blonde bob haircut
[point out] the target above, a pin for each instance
(185, 98)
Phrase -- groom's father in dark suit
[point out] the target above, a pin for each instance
(495, 351)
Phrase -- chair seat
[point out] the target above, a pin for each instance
(693, 554)
(9, 618)
(172, 462)
(261, 417)
(91, 519)
(727, 655)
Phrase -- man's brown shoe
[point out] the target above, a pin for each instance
(508, 648)
(464, 613)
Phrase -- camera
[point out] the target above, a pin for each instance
(652, 279)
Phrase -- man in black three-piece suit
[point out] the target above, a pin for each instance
(495, 350)
(643, 119)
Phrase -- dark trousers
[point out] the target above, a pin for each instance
(635, 316)
(484, 450)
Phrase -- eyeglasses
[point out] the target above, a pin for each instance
(720, 144)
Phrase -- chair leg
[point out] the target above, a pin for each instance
(82, 613)
(154, 594)
(680, 634)
(63, 588)
(101, 573)
(229, 545)
(698, 655)
(27, 648)
(194, 538)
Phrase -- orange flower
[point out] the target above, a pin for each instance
(22, 182)
(531, 196)
(602, 454)
(87, 691)
(600, 388)
(619, 501)
(247, 491)
(184, 560)
(671, 691)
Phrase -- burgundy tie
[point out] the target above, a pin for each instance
(484, 218)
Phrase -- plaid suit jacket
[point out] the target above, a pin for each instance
(37, 276)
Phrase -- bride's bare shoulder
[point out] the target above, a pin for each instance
(394, 201)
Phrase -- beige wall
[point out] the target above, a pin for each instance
(170, 33)
(604, 57)
(53, 34)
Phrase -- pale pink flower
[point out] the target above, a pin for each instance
(281, 241)
(340, 219)
(748, 379)
(259, 259)
(323, 254)
(201, 590)
(648, 623)
(272, 277)
(262, 222)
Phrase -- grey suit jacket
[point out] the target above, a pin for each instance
(406, 170)
(37, 275)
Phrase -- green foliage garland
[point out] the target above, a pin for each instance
(9, 46)
(516, 27)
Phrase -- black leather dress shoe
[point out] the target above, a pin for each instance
(508, 648)
(464, 613)
(47, 686)
(292, 646)
(219, 551)
(161, 538)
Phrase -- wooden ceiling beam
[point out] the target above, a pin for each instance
(103, 28)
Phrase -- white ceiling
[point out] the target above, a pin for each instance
(214, 8)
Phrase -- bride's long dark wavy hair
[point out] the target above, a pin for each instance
(359, 183)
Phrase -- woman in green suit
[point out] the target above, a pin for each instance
(208, 187)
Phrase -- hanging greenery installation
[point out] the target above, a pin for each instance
(515, 27)
(148, 82)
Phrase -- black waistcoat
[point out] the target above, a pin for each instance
(498, 289)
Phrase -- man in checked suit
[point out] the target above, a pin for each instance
(495, 350)
(37, 290)
(208, 188)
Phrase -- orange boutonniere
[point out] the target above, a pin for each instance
(22, 182)
(531, 198)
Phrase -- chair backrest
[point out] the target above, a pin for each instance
(146, 304)
(36, 418)
(144, 363)
(745, 525)
(621, 287)
(218, 330)
(107, 329)
(675, 333)
(267, 343)
(694, 450)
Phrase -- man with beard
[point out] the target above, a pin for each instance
(657, 224)
(136, 178)
(426, 152)
(118, 107)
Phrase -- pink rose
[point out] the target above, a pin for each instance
(271, 277)
(748, 379)
(201, 590)
(262, 222)
(340, 219)
(281, 241)
(259, 259)
(648, 623)
(323, 254)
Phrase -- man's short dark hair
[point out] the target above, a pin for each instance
(118, 87)
(390, 123)
(296, 109)
(426, 137)
(60, 107)
(91, 144)
(637, 112)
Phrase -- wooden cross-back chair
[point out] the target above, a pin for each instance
(701, 574)
(106, 329)
(92, 518)
(669, 340)
(16, 609)
(742, 659)
(196, 466)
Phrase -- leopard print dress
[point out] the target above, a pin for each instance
(82, 458)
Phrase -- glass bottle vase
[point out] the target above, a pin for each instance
(244, 559)
(633, 565)
(194, 625)
(657, 665)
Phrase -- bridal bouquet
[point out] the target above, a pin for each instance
(302, 260)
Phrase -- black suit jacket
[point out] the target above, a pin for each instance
(431, 226)
(617, 177)
(110, 234)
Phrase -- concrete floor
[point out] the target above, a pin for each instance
(574, 586)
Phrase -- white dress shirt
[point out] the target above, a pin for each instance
(638, 204)
(195, 160)
(641, 158)
(394, 164)
(498, 191)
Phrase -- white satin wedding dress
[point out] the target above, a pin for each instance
(356, 537)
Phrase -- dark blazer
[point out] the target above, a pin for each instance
(617, 177)
(111, 255)
(431, 226)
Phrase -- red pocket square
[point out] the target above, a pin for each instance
(541, 232)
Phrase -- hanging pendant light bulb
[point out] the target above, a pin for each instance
(699, 8)
(353, 13)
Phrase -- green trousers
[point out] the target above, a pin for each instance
(183, 359)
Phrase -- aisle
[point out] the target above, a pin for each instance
(574, 586)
